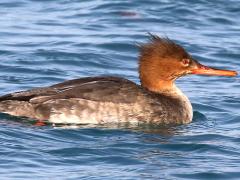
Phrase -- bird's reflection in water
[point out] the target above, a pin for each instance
(165, 131)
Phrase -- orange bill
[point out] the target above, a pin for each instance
(204, 70)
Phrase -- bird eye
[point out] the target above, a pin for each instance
(186, 62)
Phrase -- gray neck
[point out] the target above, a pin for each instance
(185, 105)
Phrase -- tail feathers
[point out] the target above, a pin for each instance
(17, 108)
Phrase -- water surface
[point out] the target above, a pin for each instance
(46, 42)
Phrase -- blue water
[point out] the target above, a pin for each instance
(44, 42)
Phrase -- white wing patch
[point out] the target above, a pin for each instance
(89, 112)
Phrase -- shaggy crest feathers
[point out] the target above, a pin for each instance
(158, 63)
(162, 47)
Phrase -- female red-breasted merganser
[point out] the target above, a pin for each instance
(102, 100)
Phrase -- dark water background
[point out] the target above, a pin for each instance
(44, 42)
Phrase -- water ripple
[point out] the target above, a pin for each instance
(45, 42)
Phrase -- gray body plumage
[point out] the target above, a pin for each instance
(98, 100)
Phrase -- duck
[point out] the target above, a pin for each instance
(108, 99)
